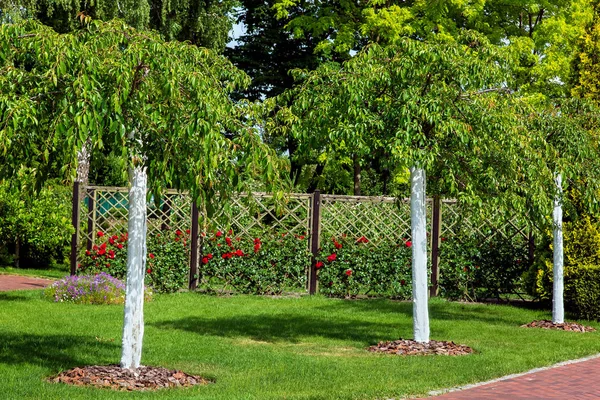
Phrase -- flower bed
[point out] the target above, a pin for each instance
(87, 289)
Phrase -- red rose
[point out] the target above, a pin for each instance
(443, 239)
(219, 234)
(111, 241)
(239, 253)
(101, 252)
(301, 237)
(107, 265)
(103, 246)
(257, 240)
(151, 255)
(87, 253)
(111, 254)
(231, 231)
(187, 231)
(362, 239)
(100, 234)
(228, 241)
(337, 245)
(119, 246)
(209, 256)
(205, 260)
(95, 248)
(319, 264)
(225, 256)
(177, 239)
(408, 243)
(332, 257)
(256, 247)
(348, 272)
(149, 271)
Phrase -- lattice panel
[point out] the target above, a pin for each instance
(377, 218)
(105, 209)
(261, 214)
(486, 223)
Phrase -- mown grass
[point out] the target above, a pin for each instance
(272, 348)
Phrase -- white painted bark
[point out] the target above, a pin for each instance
(419, 254)
(558, 310)
(133, 324)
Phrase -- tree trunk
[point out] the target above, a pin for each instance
(558, 312)
(356, 175)
(419, 254)
(18, 253)
(133, 324)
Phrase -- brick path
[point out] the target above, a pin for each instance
(578, 380)
(16, 282)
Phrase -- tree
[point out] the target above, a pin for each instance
(165, 105)
(442, 107)
(204, 23)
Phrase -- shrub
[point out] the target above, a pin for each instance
(348, 267)
(167, 259)
(88, 289)
(582, 291)
(471, 268)
(263, 265)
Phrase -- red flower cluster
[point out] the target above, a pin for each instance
(348, 272)
(362, 239)
(331, 257)
(207, 258)
(319, 264)
(257, 245)
(408, 243)
(228, 255)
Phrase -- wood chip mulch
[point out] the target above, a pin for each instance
(115, 377)
(565, 326)
(407, 347)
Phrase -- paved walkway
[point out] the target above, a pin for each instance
(17, 282)
(579, 379)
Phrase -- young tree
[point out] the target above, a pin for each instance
(166, 105)
(442, 108)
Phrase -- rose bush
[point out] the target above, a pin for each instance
(348, 267)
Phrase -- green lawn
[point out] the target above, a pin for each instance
(272, 348)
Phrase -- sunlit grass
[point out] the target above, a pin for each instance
(273, 348)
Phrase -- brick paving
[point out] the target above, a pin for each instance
(16, 282)
(576, 380)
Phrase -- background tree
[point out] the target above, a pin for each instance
(165, 105)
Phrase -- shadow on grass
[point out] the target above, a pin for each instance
(52, 351)
(17, 296)
(288, 328)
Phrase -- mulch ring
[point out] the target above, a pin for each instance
(117, 378)
(407, 347)
(565, 326)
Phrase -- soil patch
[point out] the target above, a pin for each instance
(407, 347)
(565, 326)
(117, 378)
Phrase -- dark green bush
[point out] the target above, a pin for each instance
(472, 268)
(349, 267)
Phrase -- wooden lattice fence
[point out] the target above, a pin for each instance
(315, 216)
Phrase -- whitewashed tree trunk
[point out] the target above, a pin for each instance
(558, 311)
(419, 254)
(133, 324)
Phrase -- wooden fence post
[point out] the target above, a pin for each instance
(315, 235)
(436, 230)
(75, 221)
(90, 220)
(194, 248)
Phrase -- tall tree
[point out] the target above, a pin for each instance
(165, 105)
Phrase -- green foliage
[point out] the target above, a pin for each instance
(581, 253)
(268, 264)
(349, 267)
(205, 23)
(472, 268)
(108, 80)
(167, 260)
(39, 224)
(582, 291)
